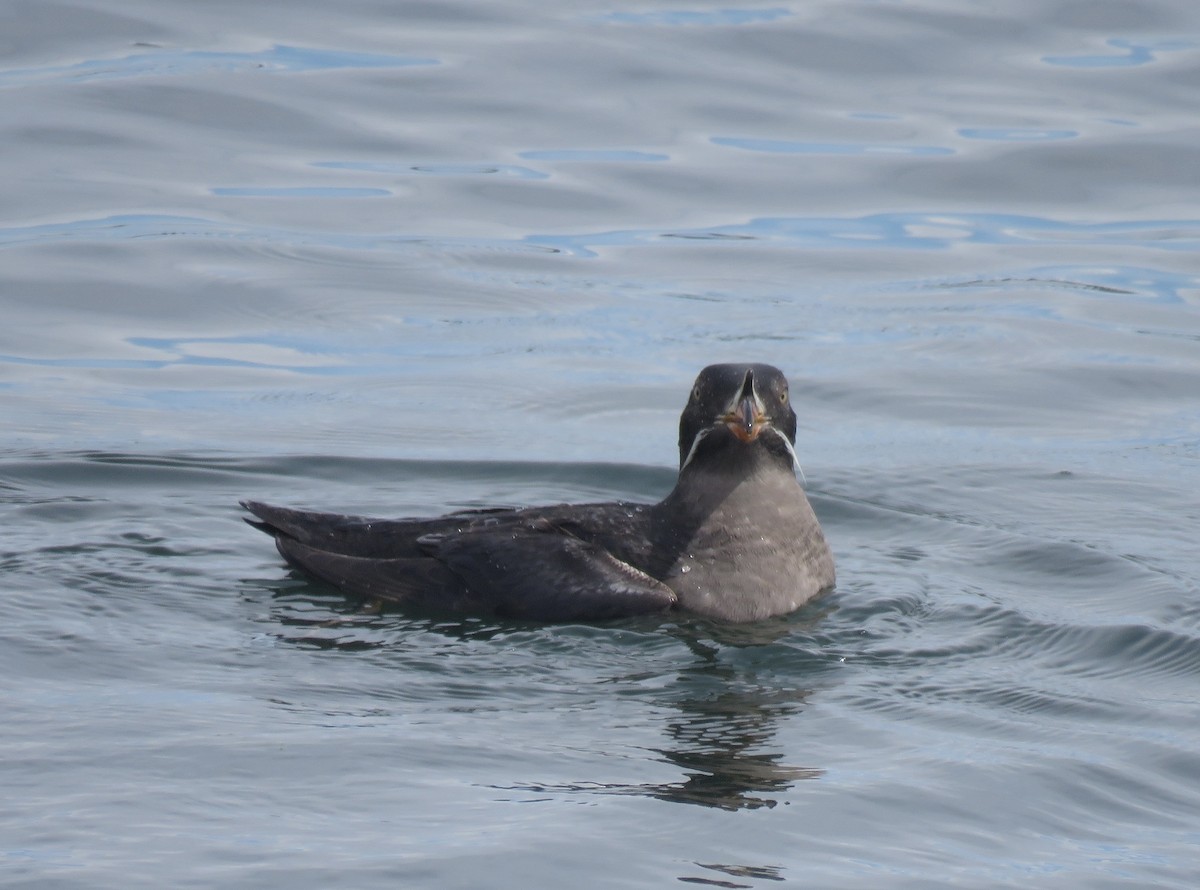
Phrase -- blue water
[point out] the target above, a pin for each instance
(399, 259)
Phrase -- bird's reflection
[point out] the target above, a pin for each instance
(721, 732)
(753, 872)
(721, 722)
(718, 744)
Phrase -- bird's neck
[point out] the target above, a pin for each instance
(752, 476)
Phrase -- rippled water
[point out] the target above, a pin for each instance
(403, 258)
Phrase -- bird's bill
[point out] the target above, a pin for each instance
(746, 419)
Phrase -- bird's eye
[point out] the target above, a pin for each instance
(783, 397)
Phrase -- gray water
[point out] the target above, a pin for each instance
(400, 258)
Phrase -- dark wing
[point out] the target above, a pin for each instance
(513, 563)
(540, 573)
(359, 535)
(414, 580)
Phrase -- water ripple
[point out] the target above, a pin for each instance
(907, 231)
(593, 154)
(786, 146)
(160, 62)
(995, 638)
(1016, 134)
(1133, 53)
(298, 192)
(435, 168)
(682, 17)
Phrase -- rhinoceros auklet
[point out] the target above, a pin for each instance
(735, 540)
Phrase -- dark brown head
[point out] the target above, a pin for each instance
(737, 411)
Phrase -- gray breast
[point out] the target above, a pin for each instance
(753, 551)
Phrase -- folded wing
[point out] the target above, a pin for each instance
(509, 563)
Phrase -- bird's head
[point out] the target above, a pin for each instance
(737, 412)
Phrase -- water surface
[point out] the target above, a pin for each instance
(402, 259)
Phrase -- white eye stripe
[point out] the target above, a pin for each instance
(695, 444)
(788, 446)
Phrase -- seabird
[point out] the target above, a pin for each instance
(735, 540)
